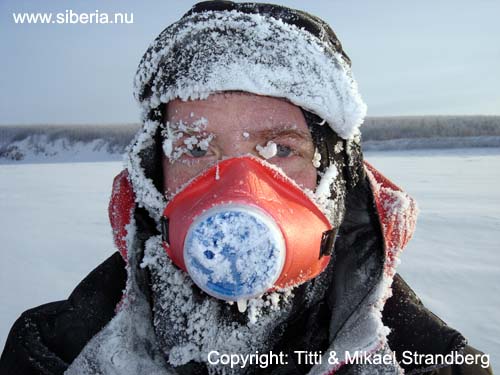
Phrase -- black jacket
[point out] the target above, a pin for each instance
(46, 339)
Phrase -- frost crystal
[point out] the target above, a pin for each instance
(316, 159)
(268, 151)
(339, 147)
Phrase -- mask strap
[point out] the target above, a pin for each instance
(328, 242)
(165, 230)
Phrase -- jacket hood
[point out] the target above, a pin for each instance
(351, 329)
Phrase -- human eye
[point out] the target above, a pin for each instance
(196, 146)
(274, 149)
(197, 152)
(283, 151)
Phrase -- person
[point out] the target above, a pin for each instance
(247, 222)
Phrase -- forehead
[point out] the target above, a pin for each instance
(238, 111)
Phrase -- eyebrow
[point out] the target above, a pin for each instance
(187, 130)
(270, 133)
(277, 133)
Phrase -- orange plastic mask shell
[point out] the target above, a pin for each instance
(247, 180)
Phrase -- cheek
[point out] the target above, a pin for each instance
(177, 174)
(307, 179)
(303, 173)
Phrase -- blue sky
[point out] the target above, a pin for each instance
(409, 58)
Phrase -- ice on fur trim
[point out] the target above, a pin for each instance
(316, 159)
(146, 194)
(252, 53)
(339, 147)
(331, 206)
(191, 326)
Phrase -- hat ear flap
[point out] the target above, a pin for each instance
(336, 150)
(354, 169)
(151, 157)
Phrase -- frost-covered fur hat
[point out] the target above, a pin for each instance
(258, 48)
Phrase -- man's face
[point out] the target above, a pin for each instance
(233, 124)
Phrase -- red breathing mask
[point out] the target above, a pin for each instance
(242, 228)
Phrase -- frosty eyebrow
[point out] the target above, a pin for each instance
(189, 130)
(192, 132)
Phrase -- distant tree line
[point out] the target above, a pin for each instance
(377, 133)
(386, 128)
(117, 137)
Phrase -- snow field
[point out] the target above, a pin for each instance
(453, 260)
(54, 230)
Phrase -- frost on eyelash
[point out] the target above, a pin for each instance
(173, 132)
(191, 142)
(316, 159)
(268, 151)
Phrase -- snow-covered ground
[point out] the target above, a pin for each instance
(453, 260)
(54, 230)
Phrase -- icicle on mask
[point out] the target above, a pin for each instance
(242, 228)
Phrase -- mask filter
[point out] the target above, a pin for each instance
(234, 251)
